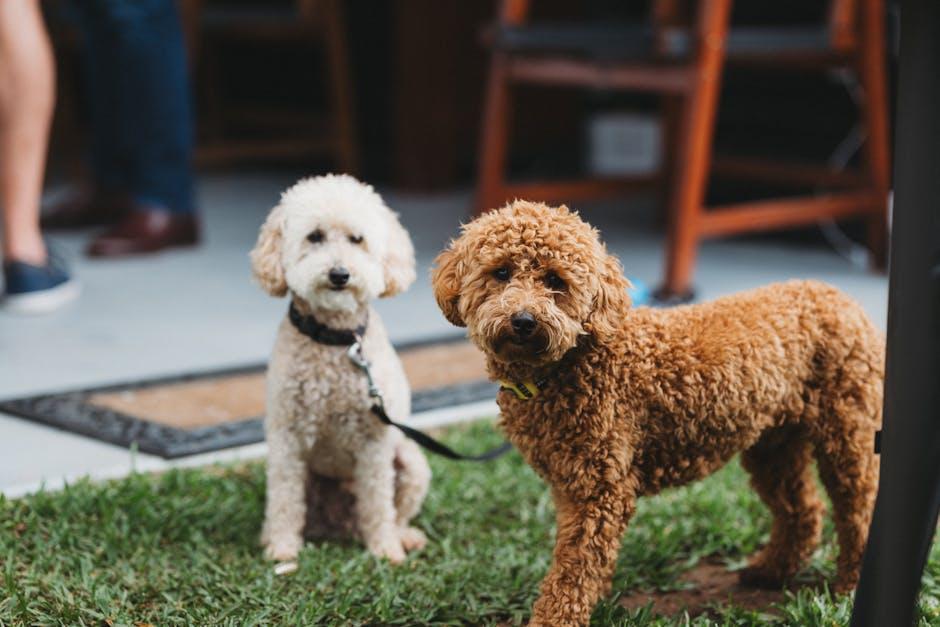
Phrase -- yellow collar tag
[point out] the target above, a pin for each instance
(523, 391)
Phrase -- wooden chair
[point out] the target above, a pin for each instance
(276, 131)
(682, 59)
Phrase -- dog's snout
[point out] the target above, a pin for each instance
(339, 276)
(523, 323)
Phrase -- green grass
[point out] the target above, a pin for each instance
(181, 548)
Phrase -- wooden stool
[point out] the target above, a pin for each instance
(683, 63)
(283, 133)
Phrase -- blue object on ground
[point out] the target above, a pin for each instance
(639, 293)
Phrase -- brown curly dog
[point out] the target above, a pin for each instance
(609, 403)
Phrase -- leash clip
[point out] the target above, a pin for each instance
(354, 352)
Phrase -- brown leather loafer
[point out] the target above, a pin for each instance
(146, 231)
(84, 209)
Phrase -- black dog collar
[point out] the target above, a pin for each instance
(319, 332)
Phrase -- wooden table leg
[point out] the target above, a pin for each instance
(342, 103)
(696, 133)
(494, 140)
(874, 79)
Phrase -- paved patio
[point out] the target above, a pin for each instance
(198, 310)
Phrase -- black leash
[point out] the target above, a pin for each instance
(435, 446)
(319, 332)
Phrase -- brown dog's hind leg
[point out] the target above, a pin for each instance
(781, 473)
(848, 468)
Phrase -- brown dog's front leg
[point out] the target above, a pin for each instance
(586, 547)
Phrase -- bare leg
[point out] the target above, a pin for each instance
(586, 547)
(411, 486)
(27, 98)
(780, 472)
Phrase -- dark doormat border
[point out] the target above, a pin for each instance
(70, 411)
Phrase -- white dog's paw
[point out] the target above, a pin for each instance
(388, 548)
(283, 549)
(412, 538)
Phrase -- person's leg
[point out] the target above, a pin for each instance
(27, 98)
(152, 109)
(152, 113)
(102, 199)
(33, 281)
(108, 147)
(132, 139)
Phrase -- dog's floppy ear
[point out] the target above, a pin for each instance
(399, 260)
(266, 255)
(611, 298)
(446, 277)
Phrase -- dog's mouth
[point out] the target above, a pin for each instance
(327, 286)
(509, 347)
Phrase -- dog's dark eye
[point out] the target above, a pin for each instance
(315, 237)
(555, 282)
(502, 274)
(355, 239)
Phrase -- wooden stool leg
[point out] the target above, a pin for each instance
(875, 115)
(691, 168)
(670, 142)
(494, 139)
(342, 104)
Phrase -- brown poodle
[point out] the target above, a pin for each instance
(609, 403)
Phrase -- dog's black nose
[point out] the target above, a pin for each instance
(339, 276)
(523, 323)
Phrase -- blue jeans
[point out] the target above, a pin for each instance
(137, 86)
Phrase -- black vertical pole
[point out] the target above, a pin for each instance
(909, 492)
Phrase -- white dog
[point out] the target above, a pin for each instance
(334, 245)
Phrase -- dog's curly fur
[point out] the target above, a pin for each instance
(636, 400)
(325, 447)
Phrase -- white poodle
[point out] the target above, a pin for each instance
(334, 245)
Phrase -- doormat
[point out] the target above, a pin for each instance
(194, 413)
